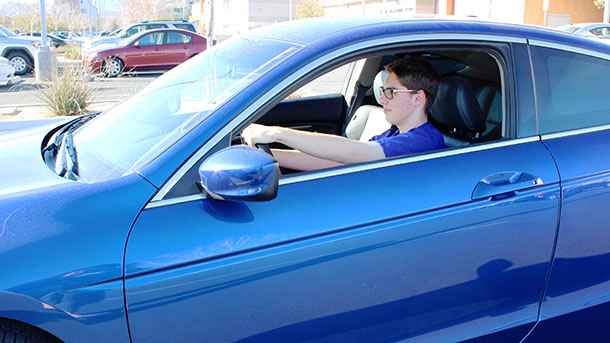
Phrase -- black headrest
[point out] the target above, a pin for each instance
(456, 105)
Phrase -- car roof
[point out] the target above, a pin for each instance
(141, 33)
(309, 31)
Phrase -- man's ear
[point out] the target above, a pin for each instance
(420, 98)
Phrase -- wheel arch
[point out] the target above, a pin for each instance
(9, 49)
(39, 316)
(116, 56)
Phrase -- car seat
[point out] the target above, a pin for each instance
(456, 112)
(369, 120)
(490, 100)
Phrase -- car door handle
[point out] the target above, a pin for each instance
(505, 183)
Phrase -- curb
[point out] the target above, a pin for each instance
(13, 125)
(42, 104)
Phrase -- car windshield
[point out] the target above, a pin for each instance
(6, 32)
(134, 132)
(569, 28)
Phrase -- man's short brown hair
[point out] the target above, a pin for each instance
(417, 74)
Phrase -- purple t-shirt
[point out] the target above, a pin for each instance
(419, 139)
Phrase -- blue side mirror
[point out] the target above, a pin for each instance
(240, 173)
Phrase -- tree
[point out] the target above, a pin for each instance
(309, 9)
(139, 10)
(29, 21)
(599, 3)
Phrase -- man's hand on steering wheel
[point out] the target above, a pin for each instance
(259, 136)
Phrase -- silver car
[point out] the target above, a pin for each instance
(592, 30)
(19, 50)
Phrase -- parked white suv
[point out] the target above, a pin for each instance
(19, 50)
(135, 28)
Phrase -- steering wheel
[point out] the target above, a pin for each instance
(264, 147)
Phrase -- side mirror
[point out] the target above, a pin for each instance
(137, 44)
(240, 173)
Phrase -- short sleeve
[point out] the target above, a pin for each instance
(417, 140)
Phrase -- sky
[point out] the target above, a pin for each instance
(111, 5)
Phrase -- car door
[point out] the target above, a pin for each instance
(574, 116)
(177, 48)
(443, 246)
(148, 55)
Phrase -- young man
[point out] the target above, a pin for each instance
(408, 92)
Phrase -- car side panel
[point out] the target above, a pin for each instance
(62, 269)
(144, 57)
(389, 254)
(576, 305)
(176, 53)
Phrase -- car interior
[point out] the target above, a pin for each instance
(468, 108)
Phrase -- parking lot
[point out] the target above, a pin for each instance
(21, 101)
(105, 90)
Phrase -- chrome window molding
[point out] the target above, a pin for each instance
(174, 201)
(405, 160)
(569, 48)
(286, 180)
(319, 62)
(576, 132)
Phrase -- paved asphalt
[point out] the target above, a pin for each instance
(105, 89)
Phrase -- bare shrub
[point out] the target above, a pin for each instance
(68, 92)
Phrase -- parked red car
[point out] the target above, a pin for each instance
(149, 50)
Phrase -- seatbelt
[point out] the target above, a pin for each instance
(360, 91)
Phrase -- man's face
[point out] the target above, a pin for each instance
(402, 105)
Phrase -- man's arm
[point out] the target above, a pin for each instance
(328, 147)
(298, 160)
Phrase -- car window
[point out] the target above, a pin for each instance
(133, 31)
(152, 39)
(601, 32)
(320, 105)
(328, 83)
(155, 26)
(188, 27)
(178, 38)
(571, 89)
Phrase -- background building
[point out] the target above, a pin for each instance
(233, 17)
(531, 12)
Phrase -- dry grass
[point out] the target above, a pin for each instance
(71, 52)
(68, 93)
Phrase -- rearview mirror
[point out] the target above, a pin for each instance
(240, 173)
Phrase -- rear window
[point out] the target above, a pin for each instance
(178, 38)
(185, 27)
(571, 89)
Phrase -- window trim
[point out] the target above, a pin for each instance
(575, 132)
(158, 199)
(568, 49)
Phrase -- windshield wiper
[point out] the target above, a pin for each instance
(69, 161)
(64, 142)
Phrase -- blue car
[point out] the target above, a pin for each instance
(152, 222)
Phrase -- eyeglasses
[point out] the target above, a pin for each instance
(389, 92)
